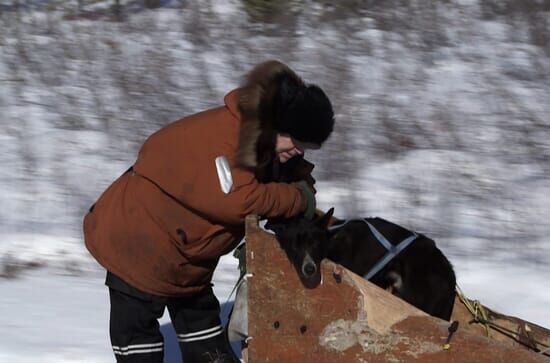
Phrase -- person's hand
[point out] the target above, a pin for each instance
(308, 199)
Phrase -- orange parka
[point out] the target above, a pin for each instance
(163, 225)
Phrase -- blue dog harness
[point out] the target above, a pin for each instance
(393, 250)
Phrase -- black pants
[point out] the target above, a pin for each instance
(135, 332)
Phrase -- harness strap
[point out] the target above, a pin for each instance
(383, 241)
(393, 250)
(337, 226)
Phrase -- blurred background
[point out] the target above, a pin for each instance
(442, 126)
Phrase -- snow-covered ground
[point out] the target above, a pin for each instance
(50, 316)
(442, 126)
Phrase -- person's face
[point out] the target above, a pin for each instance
(286, 147)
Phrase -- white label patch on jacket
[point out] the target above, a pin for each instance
(224, 174)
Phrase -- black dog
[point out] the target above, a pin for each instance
(420, 274)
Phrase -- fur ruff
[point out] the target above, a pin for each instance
(256, 103)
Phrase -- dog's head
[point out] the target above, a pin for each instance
(304, 241)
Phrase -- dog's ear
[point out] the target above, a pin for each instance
(276, 226)
(325, 220)
(336, 221)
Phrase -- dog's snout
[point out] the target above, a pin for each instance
(309, 268)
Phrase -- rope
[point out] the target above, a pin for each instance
(240, 254)
(481, 316)
(475, 308)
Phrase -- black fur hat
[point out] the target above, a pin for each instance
(273, 99)
(303, 111)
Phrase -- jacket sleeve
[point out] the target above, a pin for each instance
(267, 200)
(249, 196)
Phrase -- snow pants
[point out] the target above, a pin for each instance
(135, 332)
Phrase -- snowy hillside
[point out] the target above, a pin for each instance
(442, 126)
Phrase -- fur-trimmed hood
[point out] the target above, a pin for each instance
(256, 105)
